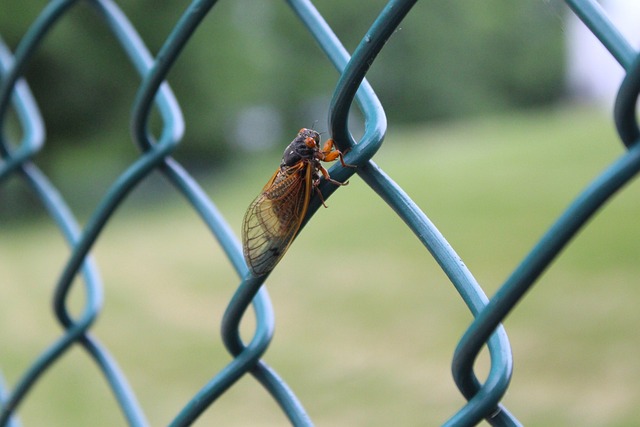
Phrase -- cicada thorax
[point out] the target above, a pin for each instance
(304, 148)
(298, 173)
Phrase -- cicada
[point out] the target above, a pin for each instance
(274, 217)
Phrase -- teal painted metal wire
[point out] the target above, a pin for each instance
(483, 398)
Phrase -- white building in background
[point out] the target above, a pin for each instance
(593, 74)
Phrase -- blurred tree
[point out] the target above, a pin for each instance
(252, 61)
(455, 58)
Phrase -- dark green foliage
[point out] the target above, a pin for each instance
(450, 58)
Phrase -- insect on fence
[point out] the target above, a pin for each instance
(274, 217)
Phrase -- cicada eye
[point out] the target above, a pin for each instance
(310, 133)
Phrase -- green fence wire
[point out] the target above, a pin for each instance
(483, 398)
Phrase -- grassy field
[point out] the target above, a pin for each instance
(366, 326)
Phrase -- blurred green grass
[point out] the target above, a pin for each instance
(366, 326)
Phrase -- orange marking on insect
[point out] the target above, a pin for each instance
(274, 217)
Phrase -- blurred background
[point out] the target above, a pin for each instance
(446, 61)
(499, 114)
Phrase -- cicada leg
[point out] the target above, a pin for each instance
(329, 154)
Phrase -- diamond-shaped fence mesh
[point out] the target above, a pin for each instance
(17, 162)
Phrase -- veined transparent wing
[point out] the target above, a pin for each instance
(273, 219)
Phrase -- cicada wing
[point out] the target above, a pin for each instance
(274, 218)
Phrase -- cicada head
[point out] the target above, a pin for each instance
(303, 147)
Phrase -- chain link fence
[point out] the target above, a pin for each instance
(483, 397)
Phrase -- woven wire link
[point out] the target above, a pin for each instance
(483, 398)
